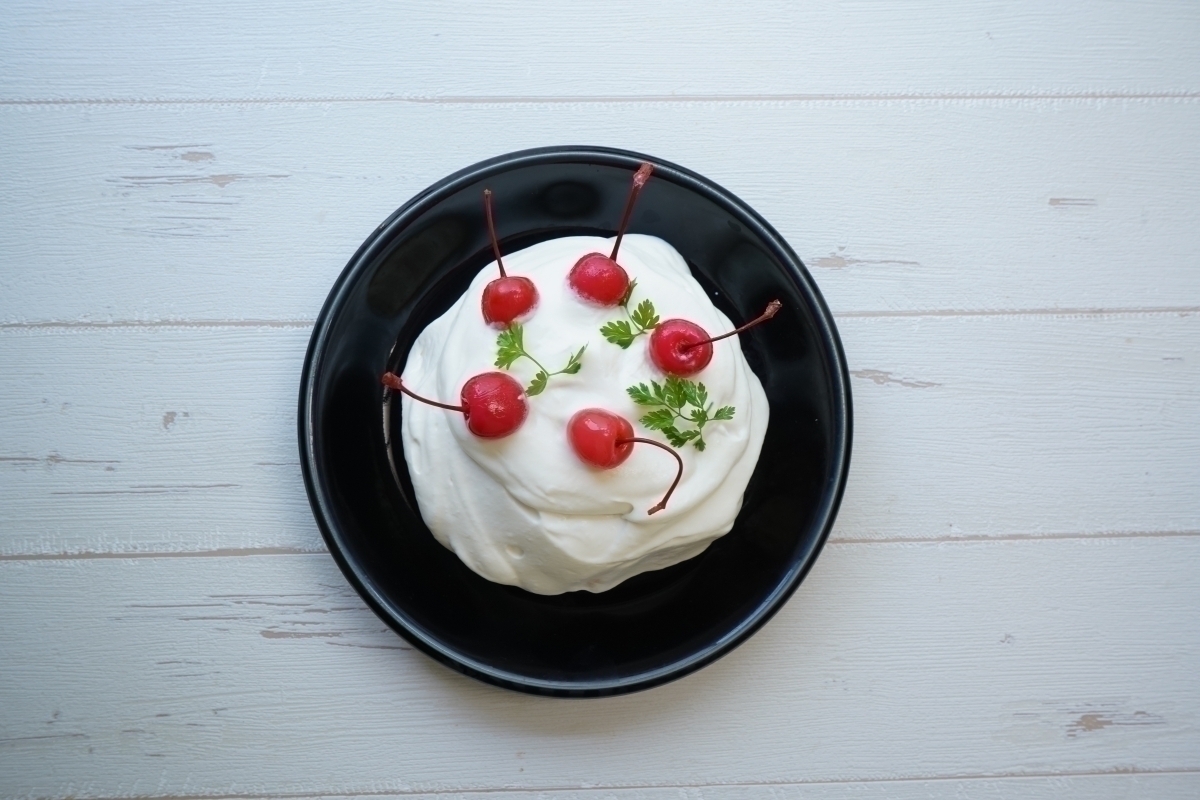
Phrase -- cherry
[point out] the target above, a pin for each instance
(604, 439)
(493, 403)
(667, 343)
(598, 277)
(594, 435)
(508, 296)
(680, 347)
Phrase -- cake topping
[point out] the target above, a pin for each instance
(621, 332)
(598, 278)
(510, 347)
(681, 410)
(605, 440)
(510, 296)
(493, 404)
(681, 347)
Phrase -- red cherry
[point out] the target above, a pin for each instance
(604, 439)
(594, 434)
(598, 277)
(493, 403)
(680, 347)
(507, 297)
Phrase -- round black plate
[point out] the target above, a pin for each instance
(659, 625)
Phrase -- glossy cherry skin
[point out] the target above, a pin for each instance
(667, 343)
(506, 299)
(599, 279)
(594, 432)
(493, 404)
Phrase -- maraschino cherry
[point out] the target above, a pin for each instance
(599, 278)
(509, 296)
(604, 439)
(680, 347)
(493, 403)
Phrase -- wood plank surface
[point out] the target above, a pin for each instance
(1181, 785)
(266, 675)
(178, 439)
(224, 49)
(228, 212)
(997, 200)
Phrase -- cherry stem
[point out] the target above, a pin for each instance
(639, 181)
(487, 210)
(392, 381)
(772, 309)
(662, 503)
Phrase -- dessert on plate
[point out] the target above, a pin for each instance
(572, 421)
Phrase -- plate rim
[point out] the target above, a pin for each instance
(403, 625)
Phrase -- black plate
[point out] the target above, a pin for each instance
(652, 628)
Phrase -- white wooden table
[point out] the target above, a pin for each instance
(1000, 201)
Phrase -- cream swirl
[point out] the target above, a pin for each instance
(524, 510)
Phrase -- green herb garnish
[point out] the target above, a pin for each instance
(510, 347)
(622, 332)
(679, 401)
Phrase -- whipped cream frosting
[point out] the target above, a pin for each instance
(524, 510)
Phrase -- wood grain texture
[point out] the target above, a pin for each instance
(226, 212)
(210, 676)
(165, 439)
(159, 439)
(998, 201)
(223, 49)
(1171, 786)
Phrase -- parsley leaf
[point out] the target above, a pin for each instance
(644, 317)
(643, 320)
(619, 333)
(658, 420)
(538, 384)
(674, 437)
(675, 392)
(574, 363)
(679, 438)
(643, 396)
(510, 347)
(678, 401)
